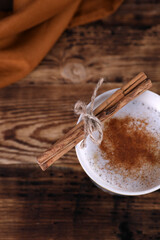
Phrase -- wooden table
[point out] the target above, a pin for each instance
(62, 203)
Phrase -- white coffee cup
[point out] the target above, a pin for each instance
(150, 99)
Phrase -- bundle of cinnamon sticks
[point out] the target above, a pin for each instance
(104, 111)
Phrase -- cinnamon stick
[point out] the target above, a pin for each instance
(104, 111)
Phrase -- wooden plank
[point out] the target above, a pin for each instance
(142, 13)
(32, 118)
(117, 48)
(63, 203)
(87, 53)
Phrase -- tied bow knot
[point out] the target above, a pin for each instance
(91, 122)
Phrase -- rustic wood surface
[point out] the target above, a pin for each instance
(62, 203)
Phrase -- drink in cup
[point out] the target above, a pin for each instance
(128, 160)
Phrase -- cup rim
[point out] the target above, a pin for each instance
(95, 178)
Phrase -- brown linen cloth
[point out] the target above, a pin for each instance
(30, 31)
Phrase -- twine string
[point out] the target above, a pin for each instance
(91, 122)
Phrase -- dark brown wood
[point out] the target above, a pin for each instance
(62, 203)
(117, 48)
(6, 5)
(31, 119)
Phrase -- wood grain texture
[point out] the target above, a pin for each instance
(30, 124)
(116, 48)
(62, 203)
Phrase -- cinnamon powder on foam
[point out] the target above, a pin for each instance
(128, 144)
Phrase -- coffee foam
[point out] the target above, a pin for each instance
(149, 175)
